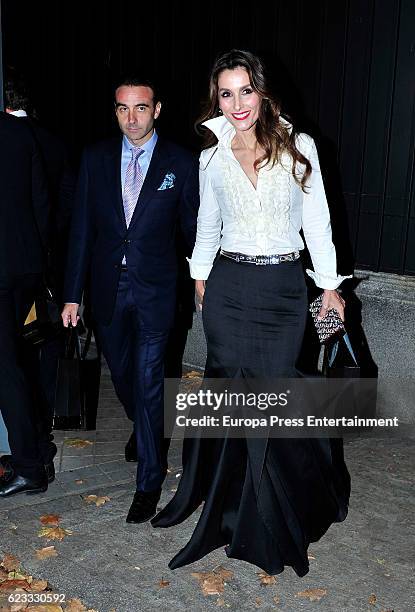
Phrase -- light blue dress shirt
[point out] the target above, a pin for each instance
(144, 159)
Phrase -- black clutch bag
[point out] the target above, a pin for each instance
(331, 326)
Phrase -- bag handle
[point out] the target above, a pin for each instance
(72, 340)
(336, 348)
(87, 343)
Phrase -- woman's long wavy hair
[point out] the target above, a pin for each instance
(272, 135)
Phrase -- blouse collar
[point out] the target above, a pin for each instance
(221, 127)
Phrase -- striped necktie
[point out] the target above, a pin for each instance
(133, 183)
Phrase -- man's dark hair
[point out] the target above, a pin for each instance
(16, 95)
(132, 80)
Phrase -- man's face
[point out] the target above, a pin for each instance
(135, 111)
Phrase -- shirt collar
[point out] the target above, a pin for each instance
(147, 147)
(224, 132)
(222, 128)
(19, 113)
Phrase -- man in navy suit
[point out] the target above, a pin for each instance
(132, 193)
(24, 218)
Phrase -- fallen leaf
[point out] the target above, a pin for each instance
(372, 599)
(79, 481)
(258, 602)
(220, 602)
(19, 576)
(78, 443)
(96, 499)
(193, 374)
(210, 583)
(312, 594)
(213, 583)
(10, 563)
(38, 586)
(276, 600)
(17, 607)
(54, 533)
(224, 573)
(46, 608)
(163, 583)
(266, 579)
(310, 557)
(8, 585)
(45, 553)
(75, 605)
(50, 519)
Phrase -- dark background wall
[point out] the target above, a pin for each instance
(345, 69)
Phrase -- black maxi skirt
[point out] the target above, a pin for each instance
(265, 500)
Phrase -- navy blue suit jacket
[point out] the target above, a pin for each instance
(24, 205)
(100, 237)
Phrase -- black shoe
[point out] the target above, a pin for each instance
(5, 463)
(144, 506)
(131, 449)
(20, 484)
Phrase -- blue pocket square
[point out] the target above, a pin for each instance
(168, 182)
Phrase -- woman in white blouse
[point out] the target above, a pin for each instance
(260, 183)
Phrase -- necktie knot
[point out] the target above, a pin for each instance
(135, 153)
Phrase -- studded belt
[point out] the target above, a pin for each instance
(261, 260)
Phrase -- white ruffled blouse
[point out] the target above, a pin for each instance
(265, 220)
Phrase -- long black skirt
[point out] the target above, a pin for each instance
(265, 500)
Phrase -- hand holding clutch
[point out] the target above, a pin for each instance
(331, 323)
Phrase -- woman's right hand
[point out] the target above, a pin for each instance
(200, 292)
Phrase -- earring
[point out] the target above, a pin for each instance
(220, 111)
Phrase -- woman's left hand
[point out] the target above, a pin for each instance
(331, 299)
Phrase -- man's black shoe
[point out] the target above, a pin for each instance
(20, 484)
(5, 463)
(144, 506)
(131, 449)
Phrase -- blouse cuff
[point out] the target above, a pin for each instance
(327, 282)
(199, 271)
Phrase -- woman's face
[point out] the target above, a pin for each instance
(238, 101)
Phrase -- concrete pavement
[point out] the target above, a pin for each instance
(365, 564)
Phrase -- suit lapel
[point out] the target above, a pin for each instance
(113, 171)
(157, 170)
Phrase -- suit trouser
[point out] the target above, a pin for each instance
(41, 367)
(16, 403)
(135, 357)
